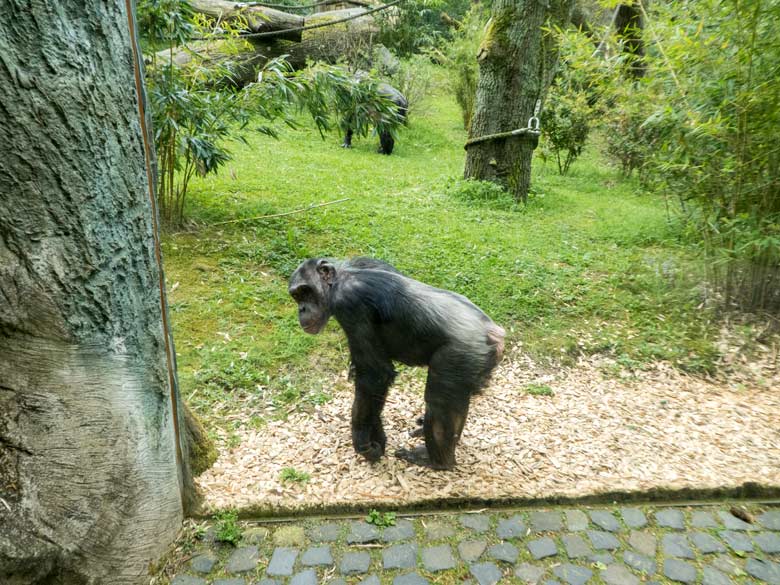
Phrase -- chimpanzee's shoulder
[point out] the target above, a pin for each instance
(375, 291)
(366, 263)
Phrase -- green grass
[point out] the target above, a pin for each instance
(539, 390)
(292, 475)
(590, 265)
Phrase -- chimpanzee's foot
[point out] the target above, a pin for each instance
(419, 431)
(346, 145)
(372, 451)
(419, 456)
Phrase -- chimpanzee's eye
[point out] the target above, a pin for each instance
(301, 292)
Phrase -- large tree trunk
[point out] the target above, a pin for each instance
(516, 64)
(93, 477)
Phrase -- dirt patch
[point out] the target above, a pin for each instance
(655, 429)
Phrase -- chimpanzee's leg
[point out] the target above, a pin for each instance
(371, 384)
(386, 143)
(442, 427)
(447, 393)
(419, 430)
(347, 139)
(460, 422)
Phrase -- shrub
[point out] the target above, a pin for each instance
(567, 124)
(576, 98)
(629, 139)
(228, 529)
(716, 149)
(194, 111)
(337, 97)
(414, 79)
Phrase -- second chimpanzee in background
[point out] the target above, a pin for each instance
(386, 141)
(389, 317)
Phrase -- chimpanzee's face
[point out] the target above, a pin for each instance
(310, 287)
(311, 314)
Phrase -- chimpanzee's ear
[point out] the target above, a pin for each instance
(327, 271)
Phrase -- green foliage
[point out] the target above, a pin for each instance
(460, 58)
(381, 519)
(192, 121)
(575, 99)
(292, 475)
(414, 78)
(715, 96)
(199, 531)
(416, 24)
(334, 96)
(195, 108)
(165, 23)
(539, 390)
(227, 527)
(628, 138)
(567, 123)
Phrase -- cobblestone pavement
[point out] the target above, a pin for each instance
(617, 545)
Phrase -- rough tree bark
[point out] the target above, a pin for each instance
(93, 478)
(516, 65)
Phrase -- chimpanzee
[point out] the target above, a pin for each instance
(386, 142)
(388, 317)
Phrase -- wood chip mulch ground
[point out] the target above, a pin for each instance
(599, 432)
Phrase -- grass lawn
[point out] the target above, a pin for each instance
(591, 264)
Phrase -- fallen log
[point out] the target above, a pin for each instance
(326, 43)
(258, 19)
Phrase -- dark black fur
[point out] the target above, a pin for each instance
(386, 142)
(389, 317)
